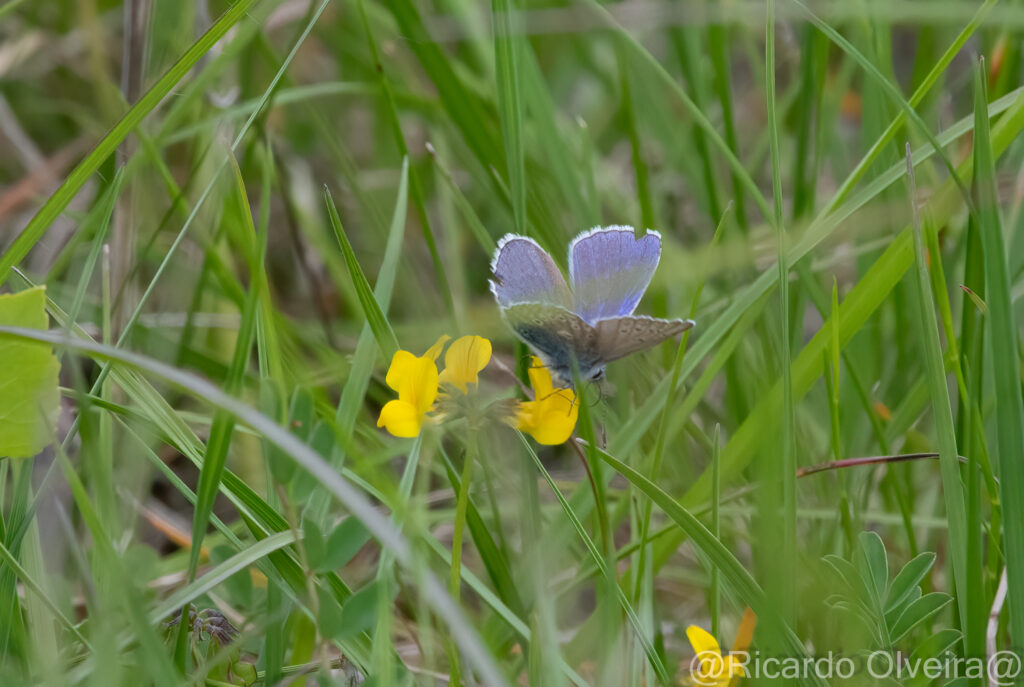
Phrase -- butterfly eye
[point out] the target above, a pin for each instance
(598, 375)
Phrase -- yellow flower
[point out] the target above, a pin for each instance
(551, 416)
(709, 667)
(415, 379)
(465, 358)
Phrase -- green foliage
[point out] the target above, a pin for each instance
(236, 231)
(29, 402)
(889, 608)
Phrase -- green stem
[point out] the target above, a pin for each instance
(455, 581)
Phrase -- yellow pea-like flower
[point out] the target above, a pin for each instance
(551, 417)
(415, 378)
(711, 668)
(464, 360)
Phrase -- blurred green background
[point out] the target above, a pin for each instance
(167, 174)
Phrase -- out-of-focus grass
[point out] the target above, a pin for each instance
(232, 402)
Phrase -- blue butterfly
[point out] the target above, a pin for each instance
(590, 320)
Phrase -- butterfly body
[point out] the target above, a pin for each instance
(588, 322)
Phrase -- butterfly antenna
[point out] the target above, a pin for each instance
(504, 368)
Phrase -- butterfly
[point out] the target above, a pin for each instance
(590, 320)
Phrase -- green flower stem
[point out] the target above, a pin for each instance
(454, 582)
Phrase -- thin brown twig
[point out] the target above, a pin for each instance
(867, 460)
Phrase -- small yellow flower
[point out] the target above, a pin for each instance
(551, 416)
(709, 667)
(465, 358)
(415, 379)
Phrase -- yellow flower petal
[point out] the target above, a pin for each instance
(465, 358)
(540, 378)
(715, 670)
(400, 418)
(402, 365)
(415, 380)
(734, 667)
(701, 640)
(551, 416)
(420, 388)
(435, 351)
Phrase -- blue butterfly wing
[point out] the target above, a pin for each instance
(609, 270)
(617, 337)
(525, 273)
(558, 337)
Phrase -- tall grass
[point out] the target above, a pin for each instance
(321, 184)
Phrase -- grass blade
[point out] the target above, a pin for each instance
(599, 560)
(375, 316)
(1003, 334)
(784, 524)
(731, 569)
(935, 370)
(59, 200)
(507, 60)
(360, 507)
(223, 424)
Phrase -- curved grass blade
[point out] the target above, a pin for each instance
(602, 564)
(890, 90)
(858, 304)
(507, 48)
(417, 188)
(375, 316)
(216, 453)
(1003, 335)
(784, 502)
(732, 570)
(240, 561)
(59, 200)
(379, 526)
(935, 371)
(11, 561)
(492, 557)
(699, 117)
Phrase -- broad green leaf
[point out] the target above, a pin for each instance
(29, 401)
(876, 564)
(344, 542)
(855, 582)
(919, 611)
(938, 644)
(313, 542)
(893, 614)
(330, 621)
(359, 612)
(239, 585)
(908, 578)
